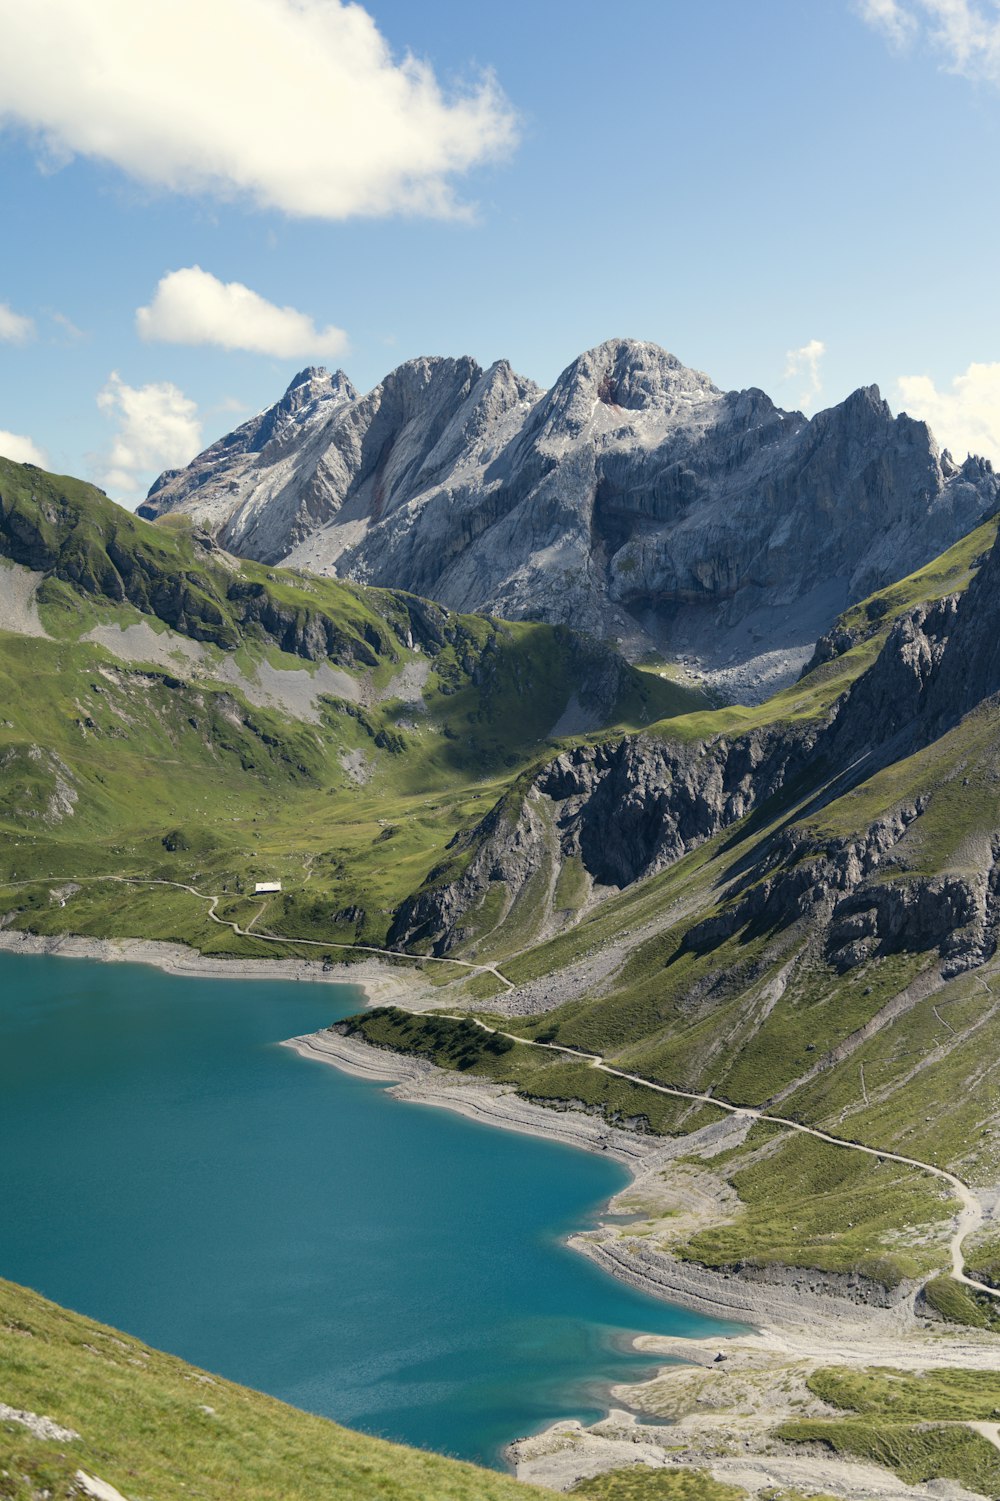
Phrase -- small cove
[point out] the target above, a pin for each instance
(167, 1168)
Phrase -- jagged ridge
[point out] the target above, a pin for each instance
(633, 499)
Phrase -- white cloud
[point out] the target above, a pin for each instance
(22, 450)
(966, 418)
(803, 364)
(965, 33)
(890, 18)
(193, 307)
(296, 105)
(15, 328)
(158, 428)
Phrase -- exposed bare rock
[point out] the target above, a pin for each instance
(625, 810)
(633, 500)
(38, 1426)
(628, 809)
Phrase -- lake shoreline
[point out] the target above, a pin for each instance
(779, 1298)
(684, 1415)
(800, 1320)
(382, 983)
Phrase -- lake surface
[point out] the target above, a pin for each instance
(165, 1167)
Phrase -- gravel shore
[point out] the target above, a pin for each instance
(701, 1411)
(704, 1413)
(382, 982)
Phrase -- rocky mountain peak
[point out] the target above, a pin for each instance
(635, 374)
(309, 374)
(634, 500)
(610, 382)
(316, 382)
(428, 379)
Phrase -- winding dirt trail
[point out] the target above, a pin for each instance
(970, 1215)
(316, 943)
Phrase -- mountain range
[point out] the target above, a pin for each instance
(634, 500)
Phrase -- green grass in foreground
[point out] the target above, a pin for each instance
(916, 1452)
(153, 1426)
(911, 1423)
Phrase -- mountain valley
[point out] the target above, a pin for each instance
(563, 859)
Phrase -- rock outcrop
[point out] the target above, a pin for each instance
(628, 809)
(634, 500)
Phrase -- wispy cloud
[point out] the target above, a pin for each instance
(295, 105)
(889, 17)
(158, 427)
(69, 328)
(22, 450)
(966, 418)
(803, 365)
(192, 306)
(965, 34)
(15, 328)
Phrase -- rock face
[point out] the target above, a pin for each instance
(633, 500)
(623, 810)
(628, 809)
(261, 454)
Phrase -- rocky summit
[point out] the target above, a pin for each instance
(634, 500)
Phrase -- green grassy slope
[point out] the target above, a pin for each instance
(152, 1425)
(743, 972)
(913, 1424)
(763, 1016)
(163, 766)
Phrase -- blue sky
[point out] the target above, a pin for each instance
(736, 181)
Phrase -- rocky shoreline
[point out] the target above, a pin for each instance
(714, 1407)
(800, 1320)
(382, 983)
(778, 1296)
(420, 1082)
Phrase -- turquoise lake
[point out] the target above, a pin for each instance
(167, 1168)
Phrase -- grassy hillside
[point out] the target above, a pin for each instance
(830, 956)
(175, 715)
(152, 1425)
